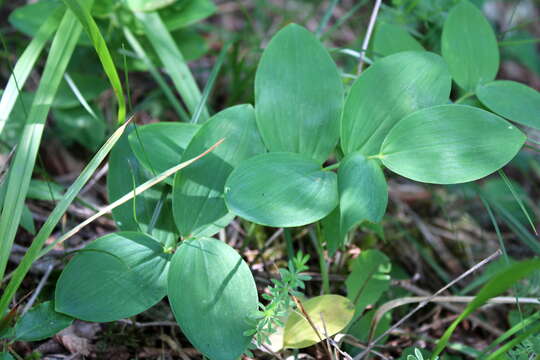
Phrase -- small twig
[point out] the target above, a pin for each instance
(371, 25)
(40, 286)
(426, 301)
(311, 323)
(148, 324)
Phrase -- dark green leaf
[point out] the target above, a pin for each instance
(281, 190)
(6, 356)
(198, 205)
(515, 101)
(45, 191)
(363, 192)
(298, 95)
(469, 46)
(77, 125)
(212, 293)
(450, 144)
(90, 87)
(41, 322)
(27, 19)
(392, 88)
(116, 276)
(389, 39)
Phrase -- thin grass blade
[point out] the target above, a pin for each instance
(517, 198)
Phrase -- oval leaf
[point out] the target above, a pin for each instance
(515, 101)
(389, 39)
(212, 307)
(41, 322)
(404, 83)
(363, 192)
(116, 276)
(298, 95)
(329, 313)
(198, 205)
(469, 46)
(160, 146)
(450, 144)
(281, 190)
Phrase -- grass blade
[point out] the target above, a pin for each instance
(103, 53)
(20, 173)
(24, 65)
(37, 244)
(172, 60)
(516, 196)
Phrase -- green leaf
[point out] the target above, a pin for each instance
(41, 322)
(450, 144)
(126, 173)
(496, 286)
(83, 14)
(281, 190)
(77, 125)
(389, 39)
(148, 5)
(298, 95)
(160, 146)
(44, 191)
(368, 280)
(90, 87)
(185, 13)
(116, 276)
(515, 101)
(6, 356)
(332, 233)
(363, 192)
(469, 46)
(198, 205)
(329, 314)
(392, 88)
(212, 293)
(29, 18)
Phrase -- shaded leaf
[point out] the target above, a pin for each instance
(389, 39)
(298, 95)
(212, 308)
(281, 190)
(41, 322)
(387, 91)
(330, 312)
(116, 276)
(450, 144)
(28, 19)
(90, 87)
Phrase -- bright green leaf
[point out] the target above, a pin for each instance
(369, 279)
(212, 293)
(515, 101)
(298, 95)
(392, 88)
(184, 13)
(198, 205)
(363, 192)
(450, 144)
(469, 46)
(116, 276)
(329, 314)
(148, 5)
(389, 39)
(29, 18)
(41, 322)
(281, 190)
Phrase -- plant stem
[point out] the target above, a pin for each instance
(318, 240)
(464, 97)
(332, 167)
(288, 239)
(369, 31)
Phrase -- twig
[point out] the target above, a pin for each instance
(426, 301)
(371, 25)
(40, 286)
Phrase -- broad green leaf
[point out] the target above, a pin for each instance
(126, 173)
(27, 220)
(185, 13)
(90, 87)
(298, 95)
(23, 163)
(53, 219)
(148, 5)
(515, 101)
(212, 293)
(389, 39)
(469, 46)
(363, 192)
(281, 190)
(83, 14)
(45, 191)
(387, 91)
(332, 233)
(495, 287)
(450, 144)
(198, 205)
(368, 280)
(29, 18)
(116, 276)
(160, 146)
(24, 66)
(41, 322)
(328, 313)
(77, 125)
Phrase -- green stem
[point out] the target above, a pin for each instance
(288, 239)
(318, 240)
(519, 42)
(464, 97)
(332, 167)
